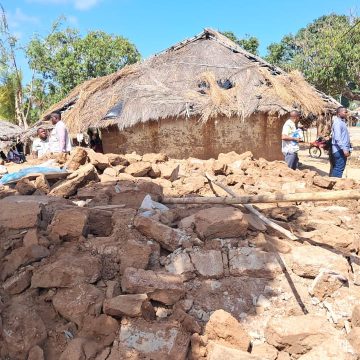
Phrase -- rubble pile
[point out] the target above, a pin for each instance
(94, 266)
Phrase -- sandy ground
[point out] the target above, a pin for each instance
(322, 166)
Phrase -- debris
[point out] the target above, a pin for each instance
(162, 287)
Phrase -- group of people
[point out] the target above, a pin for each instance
(57, 141)
(339, 150)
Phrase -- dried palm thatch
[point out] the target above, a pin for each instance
(8, 133)
(205, 77)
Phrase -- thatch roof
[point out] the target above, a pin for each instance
(205, 76)
(8, 133)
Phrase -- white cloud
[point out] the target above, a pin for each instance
(78, 4)
(17, 18)
(73, 20)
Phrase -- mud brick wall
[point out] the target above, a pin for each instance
(182, 138)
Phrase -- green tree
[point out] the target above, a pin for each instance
(249, 43)
(327, 52)
(14, 101)
(64, 58)
(7, 99)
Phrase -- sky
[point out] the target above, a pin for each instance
(154, 25)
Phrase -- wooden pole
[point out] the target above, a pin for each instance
(251, 209)
(272, 198)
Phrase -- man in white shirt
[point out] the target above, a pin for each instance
(59, 136)
(290, 140)
(40, 145)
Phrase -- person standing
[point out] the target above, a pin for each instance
(59, 141)
(40, 145)
(340, 143)
(290, 140)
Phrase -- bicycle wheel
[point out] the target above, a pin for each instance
(314, 151)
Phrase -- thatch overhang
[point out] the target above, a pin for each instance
(8, 134)
(204, 77)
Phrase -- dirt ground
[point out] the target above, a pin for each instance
(321, 165)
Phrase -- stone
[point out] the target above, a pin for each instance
(18, 283)
(187, 322)
(324, 182)
(155, 171)
(74, 303)
(355, 265)
(110, 171)
(36, 353)
(31, 237)
(103, 328)
(133, 157)
(223, 328)
(220, 222)
(298, 334)
(99, 160)
(67, 272)
(138, 169)
(264, 351)
(333, 236)
(69, 224)
(180, 263)
(169, 238)
(25, 187)
(335, 348)
(78, 157)
(246, 261)
(112, 289)
(162, 287)
(26, 216)
(155, 157)
(254, 222)
(326, 283)
(154, 340)
(79, 349)
(117, 159)
(344, 184)
(42, 184)
(232, 156)
(355, 316)
(307, 261)
(125, 305)
(169, 171)
(219, 168)
(22, 256)
(354, 338)
(208, 263)
(22, 330)
(74, 181)
(216, 351)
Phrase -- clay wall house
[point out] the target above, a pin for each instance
(201, 97)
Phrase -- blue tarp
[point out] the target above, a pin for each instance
(30, 170)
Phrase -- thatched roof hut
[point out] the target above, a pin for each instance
(207, 78)
(8, 133)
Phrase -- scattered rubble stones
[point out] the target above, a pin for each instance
(298, 334)
(163, 287)
(95, 277)
(220, 222)
(67, 272)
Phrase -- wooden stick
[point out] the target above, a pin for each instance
(272, 198)
(250, 208)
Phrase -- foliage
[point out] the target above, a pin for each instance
(327, 51)
(7, 98)
(64, 58)
(14, 102)
(249, 43)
